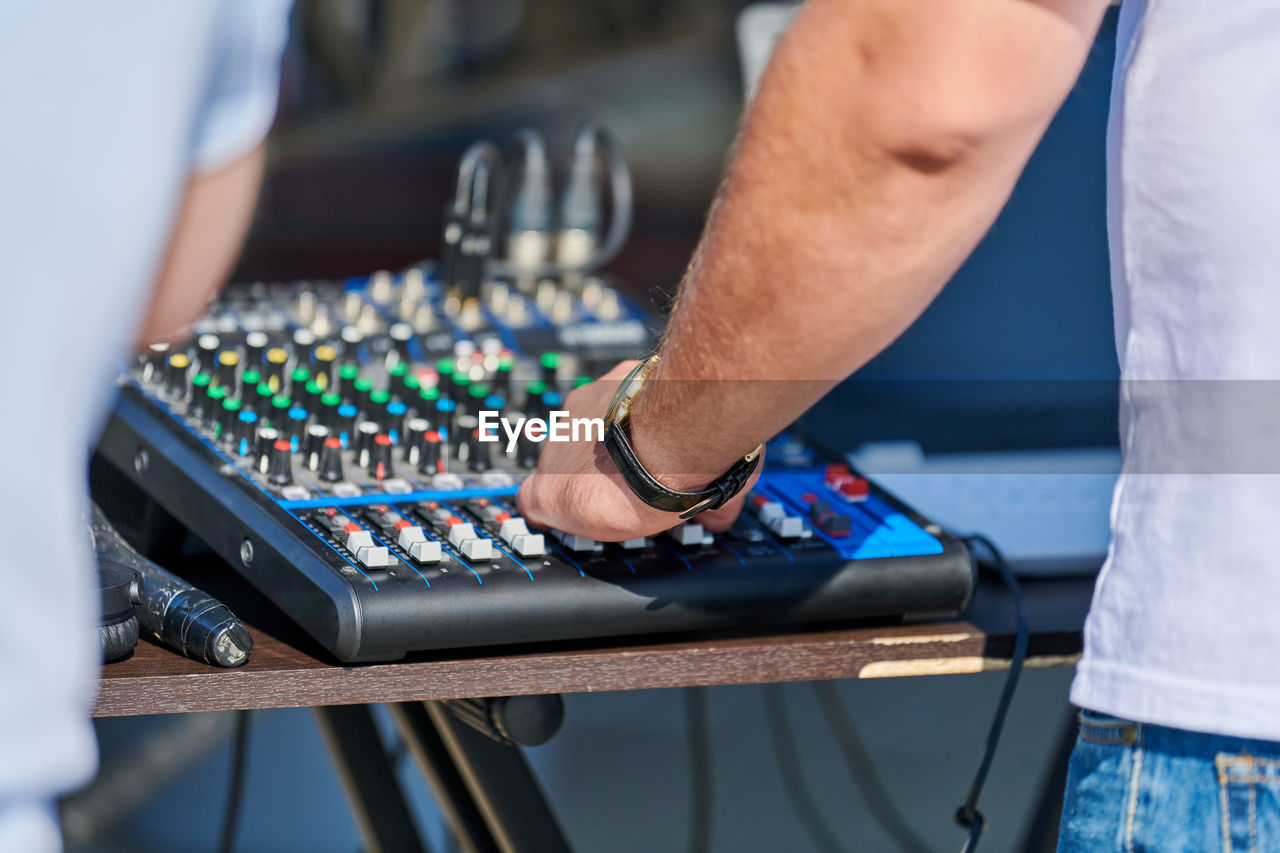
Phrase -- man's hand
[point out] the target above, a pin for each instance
(579, 490)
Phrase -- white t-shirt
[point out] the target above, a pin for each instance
(108, 110)
(1183, 631)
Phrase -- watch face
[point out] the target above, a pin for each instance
(628, 390)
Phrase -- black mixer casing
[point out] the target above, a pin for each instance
(677, 591)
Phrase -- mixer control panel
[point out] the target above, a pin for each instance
(326, 439)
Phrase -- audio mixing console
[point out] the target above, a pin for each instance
(322, 438)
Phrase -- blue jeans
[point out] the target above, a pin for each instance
(1140, 787)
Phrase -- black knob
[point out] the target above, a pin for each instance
(331, 460)
(391, 417)
(280, 466)
(266, 437)
(175, 373)
(415, 430)
(312, 441)
(478, 452)
(255, 344)
(277, 363)
(207, 351)
(200, 385)
(295, 425)
(429, 462)
(303, 340)
(153, 364)
(380, 457)
(246, 427)
(527, 452)
(227, 416)
(446, 415)
(401, 334)
(351, 341)
(365, 432)
(462, 438)
(224, 368)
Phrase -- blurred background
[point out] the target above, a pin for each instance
(379, 99)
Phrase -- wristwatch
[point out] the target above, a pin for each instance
(617, 441)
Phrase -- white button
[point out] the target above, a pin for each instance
(446, 482)
(425, 552)
(577, 543)
(512, 528)
(409, 535)
(476, 549)
(295, 493)
(528, 544)
(771, 512)
(359, 539)
(460, 533)
(496, 479)
(396, 486)
(788, 527)
(345, 490)
(689, 533)
(374, 558)
(634, 544)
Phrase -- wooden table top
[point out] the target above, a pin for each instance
(280, 674)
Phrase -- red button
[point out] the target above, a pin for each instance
(330, 511)
(808, 497)
(758, 501)
(502, 516)
(838, 471)
(856, 489)
(283, 445)
(382, 438)
(452, 520)
(352, 527)
(403, 523)
(332, 442)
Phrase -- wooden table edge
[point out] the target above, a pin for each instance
(302, 681)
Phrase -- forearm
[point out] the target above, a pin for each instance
(210, 228)
(881, 146)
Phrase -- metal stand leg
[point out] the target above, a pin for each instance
(485, 787)
(446, 783)
(369, 780)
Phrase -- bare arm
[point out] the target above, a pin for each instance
(215, 214)
(884, 139)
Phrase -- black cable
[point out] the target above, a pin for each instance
(968, 815)
(620, 192)
(235, 783)
(793, 784)
(868, 781)
(700, 783)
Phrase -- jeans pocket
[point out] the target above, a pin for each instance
(1249, 797)
(1105, 730)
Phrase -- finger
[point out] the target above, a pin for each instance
(532, 502)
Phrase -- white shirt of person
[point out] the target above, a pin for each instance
(1182, 631)
(109, 109)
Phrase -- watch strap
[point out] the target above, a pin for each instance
(655, 494)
